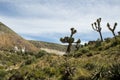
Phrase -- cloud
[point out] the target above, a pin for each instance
(32, 17)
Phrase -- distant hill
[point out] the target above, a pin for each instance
(9, 39)
(54, 46)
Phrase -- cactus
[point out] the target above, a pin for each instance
(112, 29)
(96, 26)
(70, 40)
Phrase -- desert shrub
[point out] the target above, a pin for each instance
(114, 44)
(1, 67)
(2, 74)
(89, 66)
(114, 72)
(16, 76)
(36, 75)
(27, 53)
(98, 75)
(29, 61)
(83, 78)
(84, 50)
(49, 71)
(89, 54)
(79, 54)
(67, 71)
(107, 40)
(41, 53)
(98, 44)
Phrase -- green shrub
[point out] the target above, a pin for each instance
(79, 54)
(41, 53)
(50, 71)
(16, 76)
(107, 40)
(2, 74)
(89, 66)
(98, 44)
(29, 61)
(84, 50)
(89, 54)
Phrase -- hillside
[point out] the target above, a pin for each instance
(9, 39)
(93, 61)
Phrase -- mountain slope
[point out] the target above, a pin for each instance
(9, 39)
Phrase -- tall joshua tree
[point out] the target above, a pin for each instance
(96, 26)
(70, 40)
(112, 29)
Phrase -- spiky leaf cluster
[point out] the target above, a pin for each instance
(67, 40)
(96, 25)
(73, 31)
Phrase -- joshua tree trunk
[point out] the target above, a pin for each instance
(114, 34)
(101, 36)
(69, 48)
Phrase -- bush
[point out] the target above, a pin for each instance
(76, 55)
(41, 53)
(114, 72)
(107, 40)
(89, 54)
(98, 44)
(115, 43)
(2, 74)
(84, 50)
(50, 71)
(29, 61)
(16, 76)
(89, 66)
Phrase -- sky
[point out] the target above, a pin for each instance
(48, 20)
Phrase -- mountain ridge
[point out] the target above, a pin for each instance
(9, 39)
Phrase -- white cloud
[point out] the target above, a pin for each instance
(58, 16)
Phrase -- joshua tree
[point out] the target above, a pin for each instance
(70, 40)
(112, 29)
(78, 44)
(96, 26)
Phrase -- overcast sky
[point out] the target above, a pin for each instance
(48, 20)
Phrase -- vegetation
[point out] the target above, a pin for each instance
(95, 60)
(54, 46)
(70, 40)
(96, 26)
(112, 29)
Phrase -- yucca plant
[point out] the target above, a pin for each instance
(112, 29)
(70, 40)
(97, 27)
(114, 72)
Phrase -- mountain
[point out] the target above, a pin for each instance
(9, 39)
